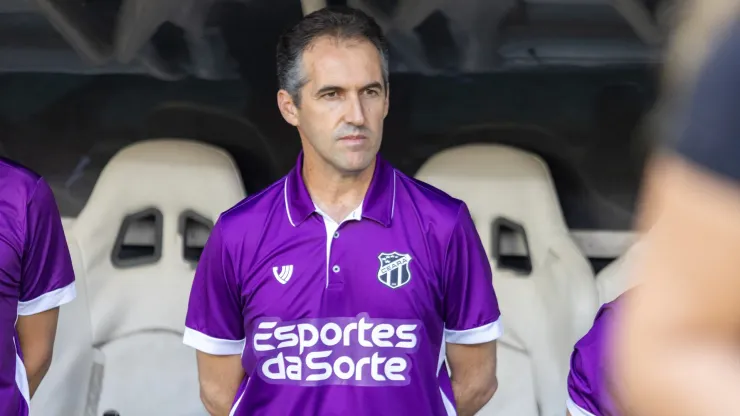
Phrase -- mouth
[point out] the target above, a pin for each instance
(354, 138)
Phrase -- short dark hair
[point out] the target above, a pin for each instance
(339, 22)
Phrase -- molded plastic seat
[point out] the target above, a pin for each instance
(135, 235)
(548, 297)
(615, 279)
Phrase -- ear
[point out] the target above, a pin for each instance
(287, 107)
(387, 99)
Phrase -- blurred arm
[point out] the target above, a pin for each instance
(678, 345)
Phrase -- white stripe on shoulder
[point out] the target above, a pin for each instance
(211, 345)
(47, 301)
(482, 334)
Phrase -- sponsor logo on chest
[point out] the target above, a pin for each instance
(354, 351)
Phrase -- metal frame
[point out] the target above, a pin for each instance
(474, 25)
(310, 6)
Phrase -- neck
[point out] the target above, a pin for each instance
(336, 193)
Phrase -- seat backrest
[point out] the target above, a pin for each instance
(615, 279)
(547, 303)
(135, 237)
(64, 390)
(67, 223)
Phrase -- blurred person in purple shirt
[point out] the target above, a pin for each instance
(36, 277)
(346, 286)
(676, 346)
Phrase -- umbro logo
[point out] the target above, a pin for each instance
(284, 274)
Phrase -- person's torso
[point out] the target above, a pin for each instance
(345, 318)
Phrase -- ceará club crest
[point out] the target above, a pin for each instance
(394, 269)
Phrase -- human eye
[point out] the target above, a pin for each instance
(330, 95)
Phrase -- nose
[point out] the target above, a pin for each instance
(355, 113)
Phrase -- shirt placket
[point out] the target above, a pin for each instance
(334, 275)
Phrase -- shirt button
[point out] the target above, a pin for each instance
(336, 234)
(335, 269)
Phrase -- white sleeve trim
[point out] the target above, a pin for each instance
(213, 346)
(47, 301)
(576, 410)
(480, 335)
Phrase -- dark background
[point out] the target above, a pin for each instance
(584, 122)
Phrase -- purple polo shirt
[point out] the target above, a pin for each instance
(587, 389)
(351, 318)
(35, 271)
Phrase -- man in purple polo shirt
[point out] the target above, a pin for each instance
(36, 277)
(344, 287)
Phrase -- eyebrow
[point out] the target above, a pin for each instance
(329, 88)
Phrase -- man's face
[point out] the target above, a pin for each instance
(343, 105)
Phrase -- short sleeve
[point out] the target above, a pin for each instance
(587, 394)
(47, 276)
(710, 136)
(471, 308)
(214, 322)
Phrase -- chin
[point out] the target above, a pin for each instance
(356, 165)
(354, 169)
